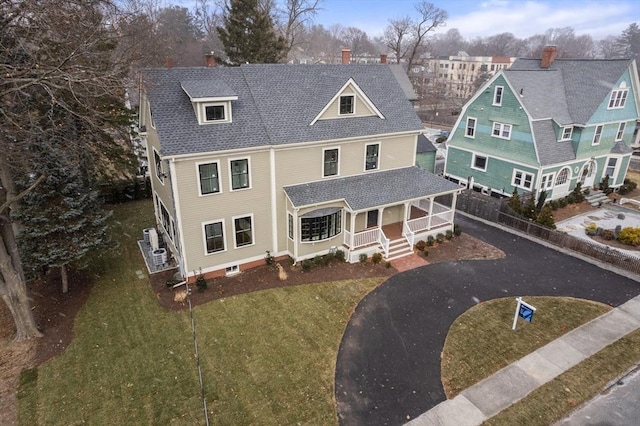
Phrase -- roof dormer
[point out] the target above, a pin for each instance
(211, 100)
(349, 101)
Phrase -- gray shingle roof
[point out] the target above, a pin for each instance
(370, 190)
(207, 88)
(542, 94)
(424, 145)
(275, 105)
(621, 148)
(551, 151)
(585, 83)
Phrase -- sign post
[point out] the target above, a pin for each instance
(523, 310)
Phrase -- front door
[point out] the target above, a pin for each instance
(372, 218)
(588, 175)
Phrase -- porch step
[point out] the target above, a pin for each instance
(399, 248)
(595, 198)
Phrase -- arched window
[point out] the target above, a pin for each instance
(562, 177)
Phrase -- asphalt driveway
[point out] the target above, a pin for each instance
(388, 366)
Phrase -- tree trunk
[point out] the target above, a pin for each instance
(65, 278)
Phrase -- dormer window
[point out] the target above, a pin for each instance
(214, 113)
(567, 132)
(347, 104)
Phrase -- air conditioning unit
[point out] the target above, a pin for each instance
(145, 234)
(159, 257)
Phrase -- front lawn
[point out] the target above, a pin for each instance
(267, 357)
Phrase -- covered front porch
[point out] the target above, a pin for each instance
(420, 219)
(384, 212)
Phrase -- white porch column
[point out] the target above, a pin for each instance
(296, 240)
(407, 212)
(380, 217)
(430, 213)
(352, 224)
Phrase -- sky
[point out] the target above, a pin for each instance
(477, 18)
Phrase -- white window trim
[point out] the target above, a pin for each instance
(569, 176)
(322, 162)
(563, 138)
(204, 236)
(198, 164)
(495, 95)
(551, 179)
(616, 169)
(291, 237)
(248, 158)
(202, 116)
(620, 133)
(466, 128)
(502, 127)
(624, 94)
(523, 179)
(365, 157)
(342, 95)
(473, 162)
(160, 219)
(253, 234)
(160, 176)
(597, 135)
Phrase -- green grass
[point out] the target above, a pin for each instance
(481, 341)
(267, 357)
(556, 399)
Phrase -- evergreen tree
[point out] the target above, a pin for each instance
(529, 208)
(545, 218)
(62, 218)
(249, 35)
(515, 202)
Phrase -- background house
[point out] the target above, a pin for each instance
(547, 125)
(294, 160)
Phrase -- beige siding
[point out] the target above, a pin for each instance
(197, 209)
(392, 214)
(361, 108)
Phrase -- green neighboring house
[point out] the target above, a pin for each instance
(545, 125)
(426, 154)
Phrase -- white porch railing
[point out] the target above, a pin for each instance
(441, 215)
(365, 238)
(408, 233)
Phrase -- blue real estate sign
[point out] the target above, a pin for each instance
(524, 311)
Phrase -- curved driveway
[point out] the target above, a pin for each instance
(388, 366)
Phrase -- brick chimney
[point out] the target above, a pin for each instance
(383, 59)
(210, 60)
(549, 54)
(169, 62)
(346, 56)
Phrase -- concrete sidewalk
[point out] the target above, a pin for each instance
(497, 392)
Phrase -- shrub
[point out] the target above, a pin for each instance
(425, 252)
(591, 229)
(363, 258)
(292, 261)
(201, 283)
(268, 258)
(376, 258)
(339, 255)
(420, 245)
(554, 205)
(562, 202)
(172, 282)
(629, 236)
(430, 241)
(329, 257)
(387, 264)
(307, 264)
(515, 202)
(448, 234)
(576, 195)
(545, 217)
(627, 186)
(457, 230)
(607, 234)
(440, 237)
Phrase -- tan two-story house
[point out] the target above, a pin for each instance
(294, 160)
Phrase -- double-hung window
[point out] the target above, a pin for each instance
(470, 131)
(239, 173)
(214, 237)
(547, 182)
(597, 134)
(501, 130)
(522, 179)
(330, 165)
(497, 94)
(158, 161)
(243, 229)
(347, 104)
(618, 98)
(209, 178)
(371, 156)
(611, 167)
(620, 132)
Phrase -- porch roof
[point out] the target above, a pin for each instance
(366, 191)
